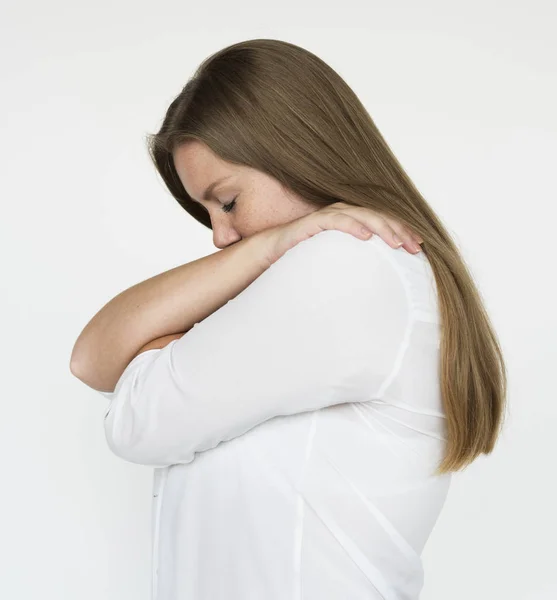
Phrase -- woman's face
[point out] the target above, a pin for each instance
(256, 200)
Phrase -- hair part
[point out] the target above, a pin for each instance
(278, 108)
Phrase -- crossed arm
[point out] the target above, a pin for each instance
(151, 314)
(323, 325)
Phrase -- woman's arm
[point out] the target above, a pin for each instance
(328, 323)
(163, 305)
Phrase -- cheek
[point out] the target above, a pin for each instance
(257, 215)
(252, 217)
(256, 222)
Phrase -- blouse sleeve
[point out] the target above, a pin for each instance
(323, 325)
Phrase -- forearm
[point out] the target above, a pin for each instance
(168, 303)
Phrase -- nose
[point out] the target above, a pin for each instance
(223, 239)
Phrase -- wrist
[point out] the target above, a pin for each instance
(261, 246)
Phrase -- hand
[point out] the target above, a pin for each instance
(344, 217)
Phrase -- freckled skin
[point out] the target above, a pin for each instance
(261, 203)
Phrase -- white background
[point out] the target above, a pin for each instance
(464, 93)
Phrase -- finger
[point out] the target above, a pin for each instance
(348, 224)
(392, 234)
(387, 228)
(383, 229)
(410, 243)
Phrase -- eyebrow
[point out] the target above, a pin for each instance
(207, 194)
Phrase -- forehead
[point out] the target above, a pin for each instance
(198, 167)
(196, 156)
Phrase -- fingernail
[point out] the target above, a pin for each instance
(397, 240)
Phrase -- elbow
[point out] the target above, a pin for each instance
(74, 360)
(144, 455)
(84, 375)
(87, 366)
(77, 358)
(77, 370)
(78, 363)
(134, 451)
(137, 456)
(94, 375)
(130, 442)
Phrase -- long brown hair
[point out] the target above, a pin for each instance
(278, 108)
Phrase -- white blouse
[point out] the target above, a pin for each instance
(294, 432)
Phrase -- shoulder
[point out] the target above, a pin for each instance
(332, 270)
(342, 255)
(336, 252)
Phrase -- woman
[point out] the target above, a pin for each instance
(304, 430)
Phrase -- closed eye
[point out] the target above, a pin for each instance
(230, 206)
